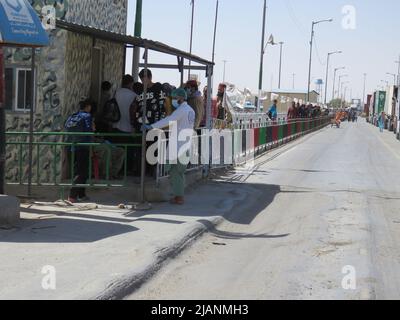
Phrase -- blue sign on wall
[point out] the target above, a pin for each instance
(19, 24)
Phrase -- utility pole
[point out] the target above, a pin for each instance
(280, 66)
(327, 72)
(340, 87)
(138, 33)
(191, 37)
(310, 62)
(365, 81)
(341, 90)
(260, 82)
(215, 30)
(398, 72)
(334, 81)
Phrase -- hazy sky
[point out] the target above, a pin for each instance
(372, 47)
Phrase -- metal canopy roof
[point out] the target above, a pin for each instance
(129, 40)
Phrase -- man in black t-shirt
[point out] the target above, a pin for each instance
(155, 111)
(155, 108)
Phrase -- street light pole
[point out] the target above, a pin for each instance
(215, 30)
(334, 81)
(138, 33)
(260, 81)
(398, 72)
(341, 93)
(191, 37)
(327, 73)
(309, 65)
(280, 66)
(365, 80)
(340, 88)
(310, 61)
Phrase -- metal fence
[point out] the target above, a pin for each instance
(54, 157)
(239, 144)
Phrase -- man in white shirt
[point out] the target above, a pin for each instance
(183, 118)
(126, 98)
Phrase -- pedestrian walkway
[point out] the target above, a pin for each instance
(389, 139)
(101, 251)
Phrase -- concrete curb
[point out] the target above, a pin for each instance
(9, 210)
(129, 284)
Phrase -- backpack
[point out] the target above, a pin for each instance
(75, 123)
(111, 112)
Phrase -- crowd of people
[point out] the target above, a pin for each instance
(119, 118)
(301, 111)
(120, 114)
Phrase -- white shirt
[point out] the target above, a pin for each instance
(125, 98)
(183, 119)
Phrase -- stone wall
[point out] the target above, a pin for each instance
(48, 113)
(63, 77)
(78, 66)
(110, 15)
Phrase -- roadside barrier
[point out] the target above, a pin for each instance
(54, 156)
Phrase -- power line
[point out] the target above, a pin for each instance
(294, 18)
(322, 63)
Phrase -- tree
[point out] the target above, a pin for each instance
(337, 103)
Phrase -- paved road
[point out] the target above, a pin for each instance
(327, 209)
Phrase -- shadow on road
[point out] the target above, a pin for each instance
(241, 203)
(60, 230)
(238, 235)
(243, 210)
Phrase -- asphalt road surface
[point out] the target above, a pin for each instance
(323, 223)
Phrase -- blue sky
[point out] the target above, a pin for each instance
(372, 47)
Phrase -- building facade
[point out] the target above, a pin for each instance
(72, 67)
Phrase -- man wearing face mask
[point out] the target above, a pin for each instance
(183, 118)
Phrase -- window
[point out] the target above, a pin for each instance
(18, 89)
(23, 90)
